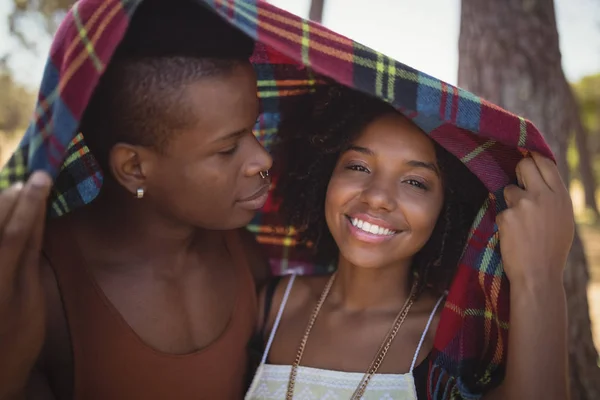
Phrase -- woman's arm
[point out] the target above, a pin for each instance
(536, 232)
(537, 365)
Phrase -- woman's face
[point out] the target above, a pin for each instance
(385, 194)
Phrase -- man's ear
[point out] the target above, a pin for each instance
(129, 165)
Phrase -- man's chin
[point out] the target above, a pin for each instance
(240, 219)
(234, 219)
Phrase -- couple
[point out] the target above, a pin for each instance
(155, 290)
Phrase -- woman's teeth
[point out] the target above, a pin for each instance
(371, 228)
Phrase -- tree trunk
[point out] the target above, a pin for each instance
(316, 10)
(586, 171)
(509, 54)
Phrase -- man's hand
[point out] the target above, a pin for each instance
(22, 306)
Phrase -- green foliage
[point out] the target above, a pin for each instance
(587, 92)
(573, 158)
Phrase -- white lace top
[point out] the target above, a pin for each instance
(271, 381)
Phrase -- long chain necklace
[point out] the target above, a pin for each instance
(379, 357)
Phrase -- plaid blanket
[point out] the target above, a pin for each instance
(291, 57)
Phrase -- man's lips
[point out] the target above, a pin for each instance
(264, 189)
(256, 200)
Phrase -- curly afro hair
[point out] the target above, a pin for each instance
(309, 143)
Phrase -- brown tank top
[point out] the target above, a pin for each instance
(110, 361)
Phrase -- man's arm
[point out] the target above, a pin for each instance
(22, 306)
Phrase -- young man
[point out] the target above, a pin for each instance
(149, 291)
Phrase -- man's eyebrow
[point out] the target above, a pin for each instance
(233, 135)
(236, 134)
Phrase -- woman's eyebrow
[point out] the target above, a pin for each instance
(424, 164)
(361, 149)
(413, 163)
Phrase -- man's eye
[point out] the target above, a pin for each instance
(230, 151)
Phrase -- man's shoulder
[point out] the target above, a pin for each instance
(257, 259)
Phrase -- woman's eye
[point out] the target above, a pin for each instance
(417, 184)
(356, 167)
(230, 151)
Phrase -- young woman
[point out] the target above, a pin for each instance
(391, 210)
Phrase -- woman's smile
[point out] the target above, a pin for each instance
(368, 229)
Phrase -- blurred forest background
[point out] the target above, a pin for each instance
(537, 58)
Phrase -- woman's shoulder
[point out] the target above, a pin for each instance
(428, 300)
(427, 310)
(301, 290)
(304, 289)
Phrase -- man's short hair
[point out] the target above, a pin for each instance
(140, 98)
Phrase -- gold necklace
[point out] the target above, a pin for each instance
(379, 357)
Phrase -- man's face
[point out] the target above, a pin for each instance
(209, 175)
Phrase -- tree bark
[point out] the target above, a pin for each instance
(316, 10)
(509, 54)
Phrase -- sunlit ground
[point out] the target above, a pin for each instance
(590, 234)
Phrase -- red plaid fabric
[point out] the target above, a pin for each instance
(292, 55)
